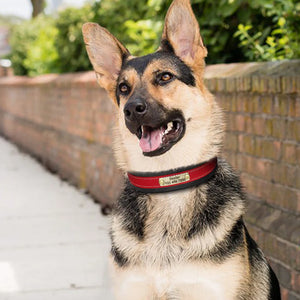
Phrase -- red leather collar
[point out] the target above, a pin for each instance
(173, 180)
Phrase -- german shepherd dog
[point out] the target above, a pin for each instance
(174, 238)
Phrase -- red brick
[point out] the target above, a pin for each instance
(256, 104)
(289, 84)
(249, 124)
(274, 84)
(230, 84)
(285, 175)
(231, 142)
(258, 126)
(291, 153)
(234, 105)
(284, 293)
(297, 84)
(277, 128)
(268, 148)
(221, 85)
(293, 130)
(297, 108)
(296, 281)
(292, 106)
(281, 105)
(282, 196)
(241, 103)
(236, 122)
(246, 143)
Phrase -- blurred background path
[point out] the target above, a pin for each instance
(53, 239)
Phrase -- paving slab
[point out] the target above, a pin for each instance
(54, 241)
(52, 229)
(72, 294)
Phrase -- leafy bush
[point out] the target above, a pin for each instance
(276, 41)
(233, 30)
(69, 43)
(33, 50)
(132, 22)
(42, 56)
(223, 24)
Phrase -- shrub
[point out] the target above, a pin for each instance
(33, 50)
(69, 43)
(279, 40)
(42, 56)
(225, 24)
(233, 30)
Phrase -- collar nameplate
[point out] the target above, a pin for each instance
(173, 180)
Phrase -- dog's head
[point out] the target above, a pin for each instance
(167, 118)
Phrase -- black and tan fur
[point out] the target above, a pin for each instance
(189, 244)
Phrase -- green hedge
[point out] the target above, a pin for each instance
(233, 30)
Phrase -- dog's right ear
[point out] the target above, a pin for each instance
(106, 54)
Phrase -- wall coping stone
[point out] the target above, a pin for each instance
(236, 70)
(278, 76)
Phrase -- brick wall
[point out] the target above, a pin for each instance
(262, 105)
(4, 71)
(66, 122)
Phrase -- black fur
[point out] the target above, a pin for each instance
(141, 63)
(221, 190)
(118, 97)
(166, 46)
(118, 256)
(132, 208)
(274, 288)
(167, 53)
(256, 255)
(230, 244)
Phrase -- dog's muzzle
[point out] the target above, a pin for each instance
(157, 128)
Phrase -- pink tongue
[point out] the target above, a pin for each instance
(151, 141)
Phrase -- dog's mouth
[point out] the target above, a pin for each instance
(158, 140)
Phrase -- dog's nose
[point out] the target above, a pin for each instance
(135, 109)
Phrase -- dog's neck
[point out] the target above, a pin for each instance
(173, 180)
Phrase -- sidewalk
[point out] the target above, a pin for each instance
(53, 240)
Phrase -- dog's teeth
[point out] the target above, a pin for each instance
(169, 127)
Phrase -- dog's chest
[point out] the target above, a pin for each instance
(163, 258)
(165, 230)
(189, 280)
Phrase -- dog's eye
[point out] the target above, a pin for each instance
(165, 78)
(124, 88)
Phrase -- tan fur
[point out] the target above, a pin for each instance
(162, 263)
(161, 218)
(202, 115)
(186, 281)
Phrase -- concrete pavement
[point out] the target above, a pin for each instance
(53, 240)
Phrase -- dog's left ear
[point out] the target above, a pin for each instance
(182, 33)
